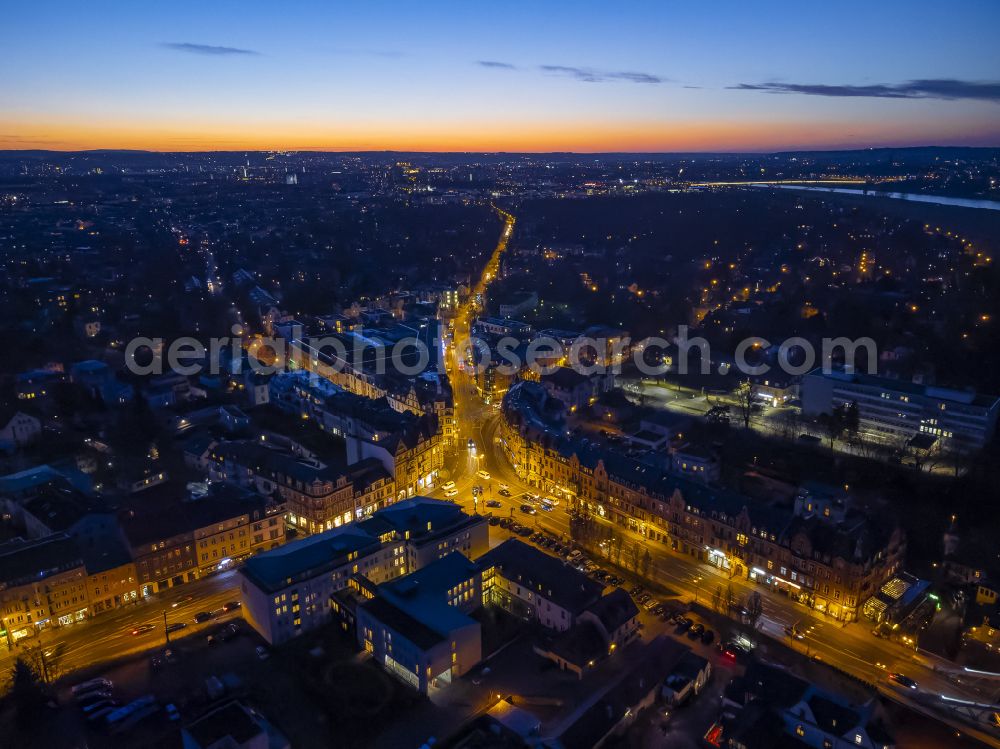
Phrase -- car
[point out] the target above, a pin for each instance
(171, 711)
(91, 697)
(451, 493)
(504, 492)
(528, 510)
(635, 590)
(181, 601)
(545, 507)
(203, 616)
(644, 598)
(574, 555)
(175, 626)
(658, 609)
(262, 653)
(651, 604)
(903, 681)
(143, 629)
(448, 485)
(505, 522)
(524, 531)
(99, 715)
(550, 501)
(615, 580)
(735, 652)
(684, 625)
(503, 487)
(707, 637)
(484, 475)
(493, 503)
(229, 632)
(90, 686)
(794, 633)
(494, 520)
(695, 630)
(97, 706)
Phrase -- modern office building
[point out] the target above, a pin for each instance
(895, 409)
(419, 627)
(287, 591)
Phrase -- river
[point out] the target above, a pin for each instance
(989, 205)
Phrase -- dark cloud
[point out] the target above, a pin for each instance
(207, 49)
(589, 75)
(928, 88)
(496, 64)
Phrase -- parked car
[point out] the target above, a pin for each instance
(494, 520)
(493, 503)
(707, 637)
(92, 685)
(684, 624)
(94, 707)
(91, 697)
(175, 626)
(203, 616)
(694, 632)
(735, 652)
(97, 717)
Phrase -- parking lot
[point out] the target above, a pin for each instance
(298, 688)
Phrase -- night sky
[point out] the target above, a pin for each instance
(516, 76)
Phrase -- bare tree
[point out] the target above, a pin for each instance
(633, 557)
(755, 608)
(744, 402)
(730, 597)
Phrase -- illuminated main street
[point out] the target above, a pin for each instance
(850, 648)
(108, 637)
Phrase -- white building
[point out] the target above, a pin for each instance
(895, 409)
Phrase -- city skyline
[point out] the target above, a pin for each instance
(453, 78)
